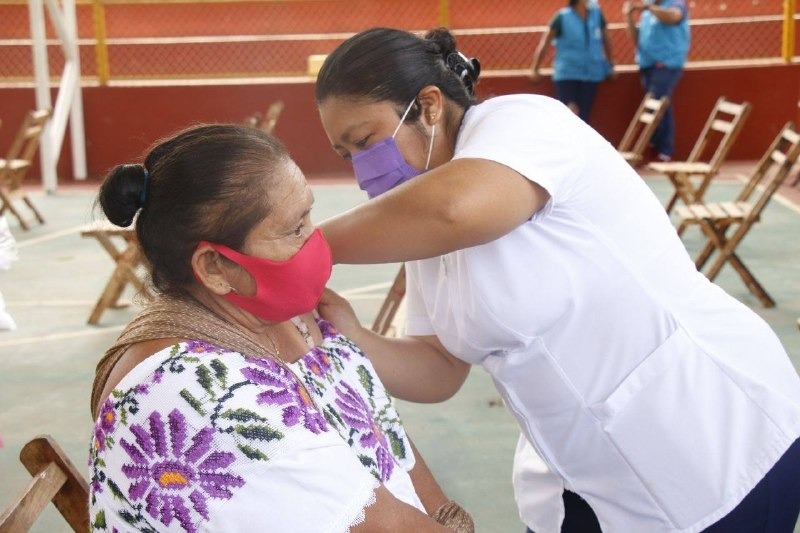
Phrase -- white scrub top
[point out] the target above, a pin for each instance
(645, 388)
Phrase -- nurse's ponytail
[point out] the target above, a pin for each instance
(467, 69)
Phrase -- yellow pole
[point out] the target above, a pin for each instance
(101, 48)
(788, 30)
(444, 13)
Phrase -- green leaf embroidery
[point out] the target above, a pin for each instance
(204, 379)
(366, 380)
(252, 453)
(259, 432)
(220, 371)
(115, 490)
(192, 401)
(242, 415)
(398, 446)
(99, 520)
(128, 516)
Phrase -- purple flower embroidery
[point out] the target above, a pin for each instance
(144, 388)
(104, 425)
(357, 414)
(172, 474)
(318, 362)
(285, 390)
(200, 347)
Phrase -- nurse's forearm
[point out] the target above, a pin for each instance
(464, 203)
(413, 369)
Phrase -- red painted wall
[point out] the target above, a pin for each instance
(122, 122)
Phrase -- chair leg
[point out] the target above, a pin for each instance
(8, 206)
(671, 203)
(747, 277)
(32, 207)
(391, 303)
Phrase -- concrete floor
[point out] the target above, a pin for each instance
(47, 364)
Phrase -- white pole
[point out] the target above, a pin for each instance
(41, 69)
(70, 84)
(69, 101)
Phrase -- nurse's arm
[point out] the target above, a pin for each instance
(415, 369)
(460, 204)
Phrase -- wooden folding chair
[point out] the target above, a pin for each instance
(271, 116)
(385, 317)
(127, 259)
(709, 151)
(717, 220)
(16, 164)
(641, 128)
(55, 479)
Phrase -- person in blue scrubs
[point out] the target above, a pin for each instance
(662, 39)
(583, 55)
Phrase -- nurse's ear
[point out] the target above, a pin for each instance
(432, 101)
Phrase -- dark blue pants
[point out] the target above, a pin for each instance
(772, 506)
(578, 93)
(661, 81)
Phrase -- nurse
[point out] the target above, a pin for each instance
(535, 251)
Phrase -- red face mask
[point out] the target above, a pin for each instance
(284, 289)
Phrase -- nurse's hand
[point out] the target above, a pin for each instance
(339, 312)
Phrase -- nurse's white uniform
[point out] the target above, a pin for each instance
(644, 387)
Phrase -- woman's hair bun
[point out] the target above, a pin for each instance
(467, 69)
(444, 38)
(123, 193)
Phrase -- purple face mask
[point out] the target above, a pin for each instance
(382, 167)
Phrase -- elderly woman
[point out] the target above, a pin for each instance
(226, 405)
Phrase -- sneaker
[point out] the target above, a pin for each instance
(664, 158)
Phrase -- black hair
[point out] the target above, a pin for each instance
(208, 182)
(385, 64)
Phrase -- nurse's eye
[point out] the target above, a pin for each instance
(362, 143)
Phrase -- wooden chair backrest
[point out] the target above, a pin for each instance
(27, 139)
(643, 125)
(55, 479)
(772, 170)
(724, 124)
(271, 116)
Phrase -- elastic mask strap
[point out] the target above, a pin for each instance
(403, 118)
(430, 147)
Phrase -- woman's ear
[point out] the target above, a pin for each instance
(209, 269)
(432, 101)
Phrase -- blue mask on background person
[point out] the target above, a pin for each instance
(382, 166)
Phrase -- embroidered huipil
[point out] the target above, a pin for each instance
(197, 438)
